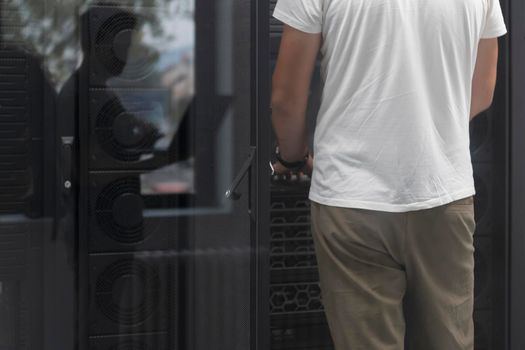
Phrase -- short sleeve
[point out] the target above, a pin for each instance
(304, 15)
(494, 25)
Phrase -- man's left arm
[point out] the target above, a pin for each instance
(290, 87)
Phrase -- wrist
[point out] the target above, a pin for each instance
(290, 152)
(292, 164)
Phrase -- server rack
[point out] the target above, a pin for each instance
(127, 296)
(29, 224)
(296, 312)
(297, 319)
(155, 271)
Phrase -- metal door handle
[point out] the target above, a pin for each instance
(67, 163)
(232, 193)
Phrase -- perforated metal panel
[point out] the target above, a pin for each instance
(112, 51)
(20, 285)
(130, 295)
(296, 309)
(132, 259)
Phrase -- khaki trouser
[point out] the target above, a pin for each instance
(384, 274)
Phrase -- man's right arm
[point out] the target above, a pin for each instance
(484, 78)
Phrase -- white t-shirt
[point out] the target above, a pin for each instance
(392, 132)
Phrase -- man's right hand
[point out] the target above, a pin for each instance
(280, 169)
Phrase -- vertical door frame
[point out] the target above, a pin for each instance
(517, 176)
(260, 327)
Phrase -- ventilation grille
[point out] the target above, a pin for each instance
(128, 292)
(300, 332)
(13, 86)
(291, 241)
(15, 165)
(295, 298)
(117, 49)
(119, 211)
(11, 29)
(123, 130)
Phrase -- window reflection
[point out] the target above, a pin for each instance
(128, 131)
(137, 58)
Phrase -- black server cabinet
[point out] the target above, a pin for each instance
(296, 313)
(94, 254)
(156, 270)
(297, 319)
(129, 283)
(31, 240)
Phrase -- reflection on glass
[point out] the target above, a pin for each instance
(138, 59)
(139, 133)
(175, 178)
(50, 28)
(145, 61)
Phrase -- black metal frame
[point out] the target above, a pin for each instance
(517, 176)
(261, 184)
(83, 202)
(500, 165)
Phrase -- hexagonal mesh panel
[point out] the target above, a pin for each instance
(295, 298)
(298, 245)
(291, 242)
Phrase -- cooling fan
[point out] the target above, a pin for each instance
(126, 129)
(119, 211)
(128, 291)
(118, 46)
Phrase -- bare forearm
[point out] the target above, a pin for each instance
(290, 130)
(290, 86)
(477, 106)
(484, 77)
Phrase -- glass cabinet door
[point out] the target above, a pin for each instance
(125, 162)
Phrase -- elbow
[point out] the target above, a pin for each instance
(485, 97)
(488, 100)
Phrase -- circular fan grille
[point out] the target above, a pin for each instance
(121, 192)
(117, 51)
(123, 132)
(128, 291)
